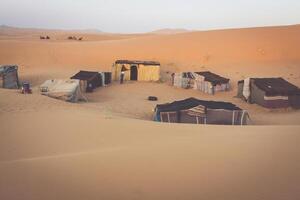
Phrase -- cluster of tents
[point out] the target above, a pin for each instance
(267, 92)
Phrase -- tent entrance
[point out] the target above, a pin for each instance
(133, 73)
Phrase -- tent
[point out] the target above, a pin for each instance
(89, 80)
(183, 79)
(9, 76)
(195, 111)
(67, 90)
(210, 83)
(136, 70)
(106, 78)
(269, 92)
(206, 81)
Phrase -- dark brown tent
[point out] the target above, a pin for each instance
(195, 111)
(89, 80)
(271, 93)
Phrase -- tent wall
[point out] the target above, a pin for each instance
(240, 90)
(96, 81)
(256, 95)
(148, 73)
(107, 78)
(145, 72)
(180, 81)
(227, 117)
(277, 103)
(208, 87)
(294, 101)
(196, 81)
(259, 97)
(169, 117)
(9, 80)
(188, 119)
(204, 86)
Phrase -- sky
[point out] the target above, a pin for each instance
(134, 16)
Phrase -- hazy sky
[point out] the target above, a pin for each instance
(148, 15)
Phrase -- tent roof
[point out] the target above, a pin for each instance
(85, 75)
(276, 86)
(193, 102)
(137, 62)
(7, 68)
(213, 78)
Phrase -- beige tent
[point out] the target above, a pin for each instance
(67, 90)
(136, 70)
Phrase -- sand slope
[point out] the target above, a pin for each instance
(94, 157)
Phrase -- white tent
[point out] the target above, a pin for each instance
(67, 90)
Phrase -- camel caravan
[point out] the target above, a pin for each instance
(271, 93)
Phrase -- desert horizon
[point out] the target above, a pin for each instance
(109, 147)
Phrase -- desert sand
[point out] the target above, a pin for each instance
(108, 148)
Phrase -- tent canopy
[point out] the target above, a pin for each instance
(7, 68)
(85, 75)
(213, 78)
(193, 102)
(137, 62)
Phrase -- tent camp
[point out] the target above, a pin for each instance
(9, 76)
(195, 111)
(67, 90)
(269, 92)
(206, 81)
(136, 70)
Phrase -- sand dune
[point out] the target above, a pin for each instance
(91, 157)
(109, 149)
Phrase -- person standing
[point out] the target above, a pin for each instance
(122, 76)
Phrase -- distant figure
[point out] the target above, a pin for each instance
(42, 37)
(47, 38)
(122, 76)
(26, 88)
(80, 39)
